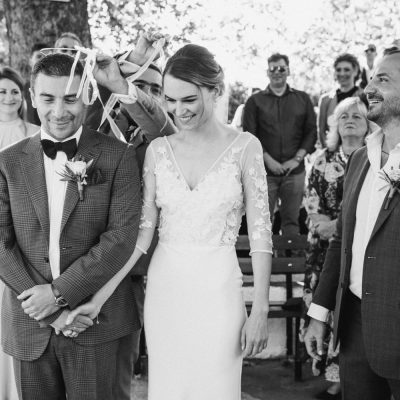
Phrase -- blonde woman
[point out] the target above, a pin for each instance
(347, 133)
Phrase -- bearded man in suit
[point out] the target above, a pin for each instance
(362, 266)
(59, 245)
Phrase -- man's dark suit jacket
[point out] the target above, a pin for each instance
(380, 304)
(98, 235)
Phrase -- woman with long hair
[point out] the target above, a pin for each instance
(12, 129)
(198, 183)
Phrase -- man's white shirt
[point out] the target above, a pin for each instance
(56, 191)
(370, 200)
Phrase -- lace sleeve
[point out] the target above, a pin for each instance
(256, 198)
(149, 216)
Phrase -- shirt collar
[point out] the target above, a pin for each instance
(76, 135)
(269, 91)
(374, 149)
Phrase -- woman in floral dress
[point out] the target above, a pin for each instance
(322, 202)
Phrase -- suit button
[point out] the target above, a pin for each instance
(46, 259)
(367, 293)
(371, 257)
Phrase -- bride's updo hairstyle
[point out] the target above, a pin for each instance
(196, 65)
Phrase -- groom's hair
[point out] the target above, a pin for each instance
(56, 64)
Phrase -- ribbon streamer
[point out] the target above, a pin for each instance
(88, 80)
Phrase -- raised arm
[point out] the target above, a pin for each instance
(254, 333)
(147, 226)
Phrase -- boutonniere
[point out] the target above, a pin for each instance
(76, 171)
(393, 178)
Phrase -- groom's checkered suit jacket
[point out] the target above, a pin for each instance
(98, 236)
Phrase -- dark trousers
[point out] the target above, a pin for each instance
(357, 379)
(68, 369)
(290, 190)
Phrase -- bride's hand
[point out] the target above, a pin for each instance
(254, 337)
(89, 309)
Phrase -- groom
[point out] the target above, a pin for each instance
(57, 248)
(363, 261)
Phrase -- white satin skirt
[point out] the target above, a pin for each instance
(194, 312)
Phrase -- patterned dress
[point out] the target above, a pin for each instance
(323, 196)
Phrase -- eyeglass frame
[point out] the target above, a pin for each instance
(278, 68)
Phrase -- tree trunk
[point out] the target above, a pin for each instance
(33, 21)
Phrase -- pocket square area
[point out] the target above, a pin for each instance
(95, 177)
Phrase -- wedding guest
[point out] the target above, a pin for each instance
(36, 55)
(13, 128)
(346, 73)
(361, 271)
(66, 42)
(322, 202)
(366, 72)
(283, 119)
(198, 182)
(60, 242)
(140, 122)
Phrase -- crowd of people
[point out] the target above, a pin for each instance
(93, 198)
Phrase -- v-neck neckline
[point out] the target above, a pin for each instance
(208, 169)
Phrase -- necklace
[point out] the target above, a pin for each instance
(343, 156)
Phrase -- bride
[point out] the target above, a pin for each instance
(197, 184)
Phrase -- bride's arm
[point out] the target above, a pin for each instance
(147, 226)
(254, 333)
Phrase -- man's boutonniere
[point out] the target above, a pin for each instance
(393, 178)
(76, 171)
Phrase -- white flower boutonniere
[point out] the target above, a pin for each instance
(76, 171)
(393, 178)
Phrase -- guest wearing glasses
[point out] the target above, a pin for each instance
(346, 73)
(283, 119)
(366, 72)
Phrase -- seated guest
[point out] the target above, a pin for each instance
(13, 128)
(347, 72)
(31, 113)
(323, 198)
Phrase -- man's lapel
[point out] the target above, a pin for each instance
(32, 166)
(355, 181)
(384, 214)
(89, 149)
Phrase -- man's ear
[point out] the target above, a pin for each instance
(288, 71)
(32, 97)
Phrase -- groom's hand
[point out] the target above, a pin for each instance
(38, 302)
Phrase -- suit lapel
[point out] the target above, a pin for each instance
(355, 181)
(32, 166)
(88, 148)
(384, 214)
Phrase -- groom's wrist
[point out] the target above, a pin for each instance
(58, 298)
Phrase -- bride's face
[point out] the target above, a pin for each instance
(191, 105)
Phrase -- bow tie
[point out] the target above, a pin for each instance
(50, 148)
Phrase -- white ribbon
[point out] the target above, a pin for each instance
(158, 46)
(88, 80)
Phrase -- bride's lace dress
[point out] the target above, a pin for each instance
(194, 310)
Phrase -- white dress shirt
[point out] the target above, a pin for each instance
(369, 204)
(56, 191)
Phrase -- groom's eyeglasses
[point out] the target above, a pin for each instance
(279, 69)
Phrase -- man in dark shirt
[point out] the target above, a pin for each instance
(283, 119)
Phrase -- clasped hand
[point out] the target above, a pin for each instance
(71, 327)
(38, 301)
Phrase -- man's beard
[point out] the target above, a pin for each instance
(387, 111)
